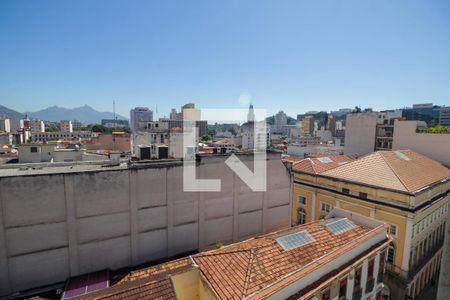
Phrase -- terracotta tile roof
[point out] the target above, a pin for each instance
(146, 288)
(148, 283)
(288, 158)
(403, 170)
(321, 164)
(158, 269)
(257, 267)
(242, 269)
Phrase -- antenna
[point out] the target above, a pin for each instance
(115, 125)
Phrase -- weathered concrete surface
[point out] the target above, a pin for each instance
(79, 222)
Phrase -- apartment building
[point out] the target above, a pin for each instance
(37, 126)
(65, 126)
(405, 189)
(308, 125)
(47, 136)
(139, 114)
(5, 124)
(339, 257)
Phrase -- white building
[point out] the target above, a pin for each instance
(47, 136)
(5, 125)
(255, 136)
(65, 126)
(138, 115)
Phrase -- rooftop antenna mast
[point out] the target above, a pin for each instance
(115, 125)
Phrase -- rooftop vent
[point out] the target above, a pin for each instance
(294, 240)
(340, 226)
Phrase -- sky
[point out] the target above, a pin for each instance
(294, 56)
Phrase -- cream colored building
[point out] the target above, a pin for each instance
(403, 188)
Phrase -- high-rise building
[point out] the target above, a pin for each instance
(405, 189)
(65, 126)
(308, 126)
(251, 114)
(37, 126)
(140, 115)
(5, 125)
(190, 113)
(331, 124)
(76, 125)
(280, 120)
(444, 116)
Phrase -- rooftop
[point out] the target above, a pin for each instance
(401, 170)
(260, 266)
(321, 164)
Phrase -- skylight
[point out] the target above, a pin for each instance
(294, 240)
(402, 155)
(325, 159)
(340, 225)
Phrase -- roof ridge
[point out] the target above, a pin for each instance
(393, 170)
(247, 275)
(200, 255)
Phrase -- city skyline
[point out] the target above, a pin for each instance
(295, 57)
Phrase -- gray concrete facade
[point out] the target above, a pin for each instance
(54, 226)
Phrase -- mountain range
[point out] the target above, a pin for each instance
(85, 114)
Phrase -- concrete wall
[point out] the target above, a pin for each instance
(360, 130)
(75, 223)
(435, 146)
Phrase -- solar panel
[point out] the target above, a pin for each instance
(340, 225)
(85, 284)
(294, 240)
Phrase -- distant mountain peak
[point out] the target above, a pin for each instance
(86, 114)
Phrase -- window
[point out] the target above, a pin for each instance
(301, 216)
(33, 149)
(363, 195)
(393, 229)
(301, 200)
(358, 278)
(325, 207)
(370, 269)
(346, 191)
(343, 289)
(326, 294)
(391, 254)
(381, 263)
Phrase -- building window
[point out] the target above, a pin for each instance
(393, 229)
(301, 216)
(363, 195)
(325, 294)
(301, 200)
(358, 279)
(391, 254)
(33, 149)
(325, 207)
(346, 191)
(343, 289)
